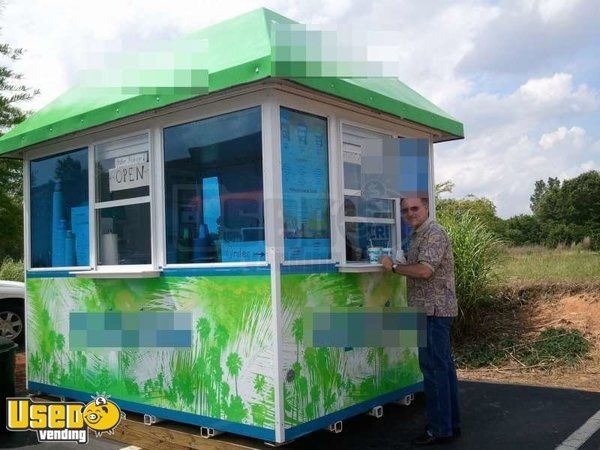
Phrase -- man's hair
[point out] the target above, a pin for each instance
(425, 200)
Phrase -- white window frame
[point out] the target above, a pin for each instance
(304, 109)
(270, 95)
(360, 219)
(340, 113)
(95, 206)
(152, 122)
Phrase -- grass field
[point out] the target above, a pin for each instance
(542, 264)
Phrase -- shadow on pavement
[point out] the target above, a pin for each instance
(494, 416)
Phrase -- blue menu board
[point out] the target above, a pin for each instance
(305, 172)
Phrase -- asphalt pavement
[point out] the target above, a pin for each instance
(495, 417)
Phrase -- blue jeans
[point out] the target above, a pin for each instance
(439, 373)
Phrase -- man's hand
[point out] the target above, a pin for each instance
(410, 270)
(387, 263)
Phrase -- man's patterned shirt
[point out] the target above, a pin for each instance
(431, 246)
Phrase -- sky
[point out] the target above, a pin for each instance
(522, 75)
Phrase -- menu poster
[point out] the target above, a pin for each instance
(305, 169)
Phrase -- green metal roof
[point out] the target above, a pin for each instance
(230, 53)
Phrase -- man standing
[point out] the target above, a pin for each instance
(430, 279)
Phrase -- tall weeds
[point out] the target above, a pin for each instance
(477, 250)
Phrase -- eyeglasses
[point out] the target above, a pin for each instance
(412, 209)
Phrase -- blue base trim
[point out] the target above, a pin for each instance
(50, 274)
(173, 272)
(308, 268)
(193, 419)
(351, 411)
(216, 271)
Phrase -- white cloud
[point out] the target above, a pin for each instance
(509, 144)
(573, 136)
(455, 52)
(590, 165)
(529, 34)
(556, 10)
(537, 100)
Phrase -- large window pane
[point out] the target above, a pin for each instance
(59, 210)
(124, 235)
(305, 185)
(214, 189)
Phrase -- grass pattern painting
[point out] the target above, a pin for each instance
(327, 379)
(226, 374)
(227, 371)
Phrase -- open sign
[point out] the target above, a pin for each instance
(129, 176)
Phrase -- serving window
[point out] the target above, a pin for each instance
(214, 208)
(122, 204)
(378, 170)
(370, 207)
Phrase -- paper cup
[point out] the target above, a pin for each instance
(374, 254)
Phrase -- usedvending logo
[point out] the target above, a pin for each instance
(63, 421)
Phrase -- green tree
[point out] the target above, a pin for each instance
(540, 190)
(568, 211)
(298, 333)
(234, 364)
(480, 207)
(546, 199)
(12, 94)
(523, 229)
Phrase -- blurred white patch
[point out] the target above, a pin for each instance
(555, 10)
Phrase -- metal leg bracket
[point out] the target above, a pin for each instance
(150, 419)
(376, 412)
(407, 400)
(335, 427)
(208, 433)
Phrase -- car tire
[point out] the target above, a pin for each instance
(12, 321)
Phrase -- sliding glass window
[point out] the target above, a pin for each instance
(122, 205)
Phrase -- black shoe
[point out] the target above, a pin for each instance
(429, 439)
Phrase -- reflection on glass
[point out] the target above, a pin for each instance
(305, 185)
(124, 235)
(352, 178)
(373, 207)
(214, 191)
(361, 236)
(123, 168)
(59, 210)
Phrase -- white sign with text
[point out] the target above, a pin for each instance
(129, 176)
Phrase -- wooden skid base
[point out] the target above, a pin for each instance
(176, 436)
(171, 435)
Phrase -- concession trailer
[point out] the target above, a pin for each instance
(201, 238)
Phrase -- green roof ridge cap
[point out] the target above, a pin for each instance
(231, 60)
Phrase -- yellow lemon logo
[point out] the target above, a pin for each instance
(102, 415)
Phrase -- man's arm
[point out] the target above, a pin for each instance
(410, 270)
